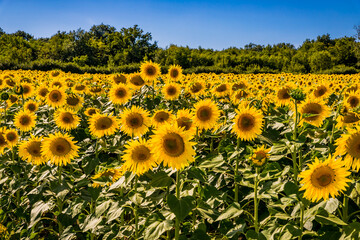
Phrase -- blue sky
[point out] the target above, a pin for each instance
(205, 23)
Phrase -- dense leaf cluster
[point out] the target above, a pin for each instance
(103, 49)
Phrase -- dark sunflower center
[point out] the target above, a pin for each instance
(72, 100)
(171, 91)
(184, 122)
(96, 89)
(120, 93)
(13, 98)
(204, 113)
(246, 122)
(67, 117)
(34, 149)
(320, 91)
(60, 147)
(260, 155)
(119, 79)
(312, 109)
(55, 96)
(174, 73)
(161, 116)
(221, 88)
(25, 120)
(11, 136)
(137, 80)
(134, 120)
(150, 71)
(141, 153)
(57, 84)
(31, 107)
(322, 176)
(91, 111)
(26, 89)
(284, 93)
(10, 82)
(196, 87)
(353, 145)
(103, 123)
(79, 87)
(2, 140)
(350, 118)
(173, 144)
(353, 101)
(43, 92)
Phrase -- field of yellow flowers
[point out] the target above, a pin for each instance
(173, 156)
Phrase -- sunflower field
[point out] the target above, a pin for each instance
(173, 156)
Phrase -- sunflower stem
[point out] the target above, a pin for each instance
(295, 150)
(177, 221)
(256, 217)
(345, 207)
(333, 126)
(5, 114)
(302, 210)
(136, 210)
(236, 172)
(59, 172)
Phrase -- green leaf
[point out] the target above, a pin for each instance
(156, 229)
(181, 208)
(236, 230)
(252, 235)
(329, 220)
(161, 179)
(212, 163)
(232, 211)
(38, 209)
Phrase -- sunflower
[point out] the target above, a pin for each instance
(283, 96)
(324, 179)
(321, 91)
(100, 125)
(66, 119)
(184, 120)
(56, 97)
(3, 142)
(13, 99)
(119, 78)
(349, 145)
(11, 137)
(135, 121)
(96, 91)
(206, 114)
(136, 81)
(239, 95)
(161, 117)
(196, 88)
(91, 111)
(74, 102)
(80, 88)
(221, 90)
(352, 100)
(248, 123)
(314, 112)
(175, 73)
(348, 119)
(42, 92)
(138, 157)
(28, 90)
(31, 106)
(59, 149)
(149, 71)
(171, 145)
(25, 120)
(171, 91)
(120, 94)
(30, 151)
(260, 156)
(107, 177)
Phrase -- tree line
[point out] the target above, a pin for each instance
(104, 49)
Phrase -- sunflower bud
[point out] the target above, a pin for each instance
(18, 90)
(5, 96)
(297, 94)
